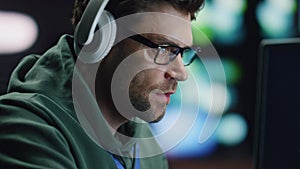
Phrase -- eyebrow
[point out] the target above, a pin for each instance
(164, 41)
(160, 40)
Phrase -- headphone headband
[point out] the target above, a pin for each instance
(98, 43)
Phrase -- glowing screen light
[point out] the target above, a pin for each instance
(232, 129)
(222, 20)
(18, 32)
(233, 71)
(190, 146)
(276, 18)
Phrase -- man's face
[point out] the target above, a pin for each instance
(152, 88)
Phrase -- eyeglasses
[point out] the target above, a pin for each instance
(165, 54)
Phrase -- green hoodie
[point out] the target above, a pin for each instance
(39, 127)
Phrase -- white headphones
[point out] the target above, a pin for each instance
(94, 45)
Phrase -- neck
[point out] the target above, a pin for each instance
(112, 116)
(103, 88)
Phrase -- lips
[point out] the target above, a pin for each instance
(164, 93)
(166, 96)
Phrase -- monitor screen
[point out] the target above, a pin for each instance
(279, 100)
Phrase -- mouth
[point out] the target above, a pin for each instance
(165, 96)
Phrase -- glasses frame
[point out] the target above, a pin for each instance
(141, 39)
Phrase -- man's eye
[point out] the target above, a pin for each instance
(172, 50)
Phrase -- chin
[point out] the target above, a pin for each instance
(159, 118)
(152, 117)
(150, 113)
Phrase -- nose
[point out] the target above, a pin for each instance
(176, 70)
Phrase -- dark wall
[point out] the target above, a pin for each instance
(53, 19)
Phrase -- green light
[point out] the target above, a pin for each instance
(199, 31)
(233, 71)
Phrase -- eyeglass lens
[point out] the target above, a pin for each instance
(165, 55)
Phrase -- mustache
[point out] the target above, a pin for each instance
(167, 86)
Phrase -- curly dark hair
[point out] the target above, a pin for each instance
(121, 8)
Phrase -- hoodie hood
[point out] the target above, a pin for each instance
(51, 75)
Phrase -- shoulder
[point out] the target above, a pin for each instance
(35, 132)
(27, 138)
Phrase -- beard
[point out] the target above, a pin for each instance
(142, 98)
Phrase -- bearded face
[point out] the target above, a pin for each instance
(147, 91)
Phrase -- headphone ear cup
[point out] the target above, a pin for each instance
(102, 41)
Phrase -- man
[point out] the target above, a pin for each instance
(39, 127)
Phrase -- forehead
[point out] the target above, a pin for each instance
(167, 22)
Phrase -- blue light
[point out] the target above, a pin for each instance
(189, 146)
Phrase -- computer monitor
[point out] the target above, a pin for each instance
(278, 110)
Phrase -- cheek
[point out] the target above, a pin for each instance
(147, 79)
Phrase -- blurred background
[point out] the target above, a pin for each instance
(234, 27)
